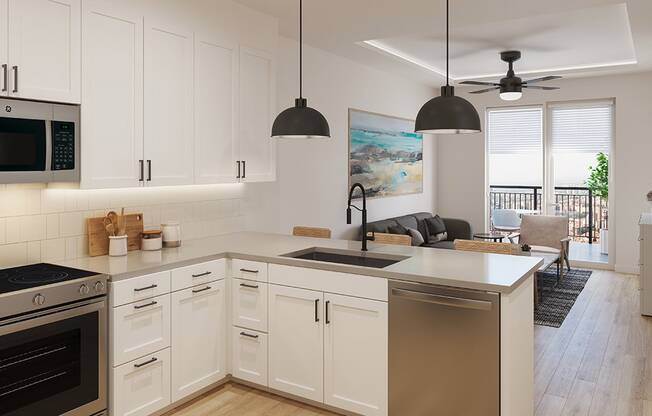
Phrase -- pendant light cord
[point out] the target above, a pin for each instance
(447, 43)
(301, 48)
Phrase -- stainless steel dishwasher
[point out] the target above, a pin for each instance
(444, 351)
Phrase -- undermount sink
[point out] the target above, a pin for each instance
(355, 258)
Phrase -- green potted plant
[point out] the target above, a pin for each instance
(598, 183)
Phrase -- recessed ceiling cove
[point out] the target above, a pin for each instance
(572, 41)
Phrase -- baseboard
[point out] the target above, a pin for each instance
(627, 269)
(579, 264)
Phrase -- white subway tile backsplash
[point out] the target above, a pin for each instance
(53, 250)
(48, 224)
(34, 252)
(52, 226)
(71, 224)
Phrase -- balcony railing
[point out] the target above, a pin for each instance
(587, 213)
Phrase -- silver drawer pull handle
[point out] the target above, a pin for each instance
(443, 300)
(152, 303)
(244, 334)
(140, 289)
(151, 360)
(201, 290)
(249, 270)
(249, 286)
(202, 274)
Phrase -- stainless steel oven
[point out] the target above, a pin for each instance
(54, 362)
(39, 142)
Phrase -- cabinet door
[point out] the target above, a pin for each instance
(198, 338)
(44, 49)
(216, 74)
(355, 354)
(257, 92)
(139, 328)
(112, 114)
(141, 387)
(168, 105)
(296, 349)
(4, 61)
(249, 355)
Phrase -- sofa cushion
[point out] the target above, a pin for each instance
(441, 244)
(397, 229)
(435, 225)
(421, 223)
(381, 226)
(417, 238)
(407, 221)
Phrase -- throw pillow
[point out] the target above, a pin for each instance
(397, 229)
(436, 229)
(417, 238)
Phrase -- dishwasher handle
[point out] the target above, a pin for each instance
(453, 301)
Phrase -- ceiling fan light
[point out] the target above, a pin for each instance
(511, 95)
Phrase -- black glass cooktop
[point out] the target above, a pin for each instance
(33, 275)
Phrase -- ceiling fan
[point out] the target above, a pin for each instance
(511, 86)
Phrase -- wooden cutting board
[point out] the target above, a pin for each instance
(98, 238)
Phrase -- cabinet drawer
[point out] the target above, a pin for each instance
(249, 355)
(250, 270)
(249, 300)
(198, 274)
(141, 387)
(139, 288)
(139, 329)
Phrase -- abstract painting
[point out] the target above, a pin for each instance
(385, 155)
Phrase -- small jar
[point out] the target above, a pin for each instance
(117, 245)
(171, 234)
(151, 240)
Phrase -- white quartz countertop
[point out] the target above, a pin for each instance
(480, 271)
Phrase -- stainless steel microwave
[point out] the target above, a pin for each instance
(39, 142)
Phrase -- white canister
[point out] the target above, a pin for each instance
(117, 245)
(171, 234)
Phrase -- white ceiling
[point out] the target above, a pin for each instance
(563, 37)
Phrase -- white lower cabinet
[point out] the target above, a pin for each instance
(296, 342)
(140, 328)
(141, 387)
(198, 338)
(249, 355)
(355, 354)
(249, 300)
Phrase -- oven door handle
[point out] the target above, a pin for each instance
(53, 315)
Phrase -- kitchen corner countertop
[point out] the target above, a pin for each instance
(462, 269)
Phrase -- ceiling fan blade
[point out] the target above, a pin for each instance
(539, 87)
(547, 78)
(478, 83)
(485, 90)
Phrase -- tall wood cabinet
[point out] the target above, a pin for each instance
(176, 105)
(40, 49)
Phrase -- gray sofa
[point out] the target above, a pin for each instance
(454, 227)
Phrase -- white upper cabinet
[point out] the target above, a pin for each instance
(296, 349)
(216, 86)
(355, 354)
(112, 113)
(257, 111)
(43, 49)
(168, 105)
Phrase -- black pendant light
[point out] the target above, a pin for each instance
(447, 114)
(300, 121)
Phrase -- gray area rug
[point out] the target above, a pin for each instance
(556, 301)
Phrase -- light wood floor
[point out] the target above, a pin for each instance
(599, 363)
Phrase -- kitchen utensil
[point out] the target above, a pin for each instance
(98, 237)
(108, 226)
(117, 245)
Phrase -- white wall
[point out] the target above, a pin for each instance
(461, 159)
(312, 186)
